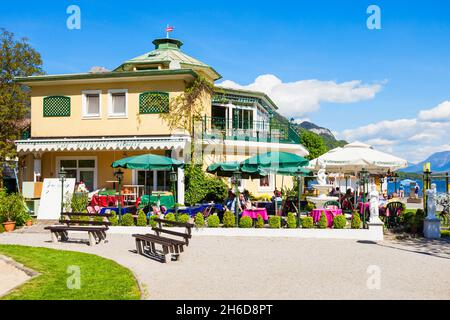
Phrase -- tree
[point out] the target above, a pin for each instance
(17, 59)
(314, 143)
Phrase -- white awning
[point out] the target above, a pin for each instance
(102, 144)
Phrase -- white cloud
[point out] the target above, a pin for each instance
(295, 99)
(97, 69)
(437, 114)
(414, 139)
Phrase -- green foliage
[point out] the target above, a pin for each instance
(113, 219)
(183, 218)
(307, 222)
(79, 202)
(127, 220)
(169, 217)
(259, 222)
(356, 221)
(141, 219)
(412, 221)
(323, 222)
(274, 222)
(313, 142)
(444, 233)
(17, 59)
(199, 220)
(310, 206)
(213, 221)
(291, 221)
(245, 222)
(2, 228)
(339, 222)
(152, 222)
(202, 187)
(229, 220)
(12, 208)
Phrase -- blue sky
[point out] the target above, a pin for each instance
(403, 69)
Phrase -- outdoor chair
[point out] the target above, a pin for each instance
(393, 208)
(332, 204)
(207, 211)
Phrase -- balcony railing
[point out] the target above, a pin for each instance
(259, 131)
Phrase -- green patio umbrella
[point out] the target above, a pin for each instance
(274, 162)
(148, 162)
(228, 169)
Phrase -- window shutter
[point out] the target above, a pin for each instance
(153, 102)
(56, 106)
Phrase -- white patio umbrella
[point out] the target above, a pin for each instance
(355, 156)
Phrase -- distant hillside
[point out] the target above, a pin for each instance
(327, 136)
(440, 162)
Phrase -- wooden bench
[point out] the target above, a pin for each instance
(146, 244)
(70, 221)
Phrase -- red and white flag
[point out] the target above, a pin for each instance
(169, 28)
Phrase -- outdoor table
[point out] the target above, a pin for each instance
(165, 200)
(329, 213)
(105, 201)
(363, 208)
(254, 213)
(124, 210)
(192, 211)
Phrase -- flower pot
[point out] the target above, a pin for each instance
(29, 223)
(9, 226)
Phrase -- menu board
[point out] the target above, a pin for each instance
(50, 206)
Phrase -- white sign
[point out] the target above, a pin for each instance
(50, 206)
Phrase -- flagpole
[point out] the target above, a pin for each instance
(167, 32)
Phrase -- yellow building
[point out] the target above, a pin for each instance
(84, 122)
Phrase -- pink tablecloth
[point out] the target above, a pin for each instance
(253, 213)
(329, 213)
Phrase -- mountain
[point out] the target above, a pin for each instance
(440, 162)
(327, 136)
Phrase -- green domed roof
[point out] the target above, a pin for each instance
(168, 55)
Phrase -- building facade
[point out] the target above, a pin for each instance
(84, 122)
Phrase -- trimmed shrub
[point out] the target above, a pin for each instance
(79, 202)
(213, 221)
(152, 222)
(141, 219)
(274, 222)
(339, 222)
(199, 220)
(2, 229)
(291, 221)
(259, 222)
(127, 220)
(246, 222)
(183, 218)
(356, 221)
(323, 221)
(229, 220)
(203, 187)
(113, 219)
(169, 217)
(444, 233)
(307, 222)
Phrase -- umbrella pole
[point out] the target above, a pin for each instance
(299, 181)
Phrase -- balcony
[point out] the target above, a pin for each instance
(258, 131)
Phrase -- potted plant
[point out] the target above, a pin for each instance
(12, 209)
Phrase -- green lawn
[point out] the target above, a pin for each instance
(100, 278)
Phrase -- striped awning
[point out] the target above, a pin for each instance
(102, 144)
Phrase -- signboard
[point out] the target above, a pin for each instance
(50, 206)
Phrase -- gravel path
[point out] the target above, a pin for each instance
(281, 268)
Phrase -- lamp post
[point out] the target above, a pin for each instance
(364, 179)
(300, 191)
(426, 185)
(62, 176)
(173, 177)
(119, 176)
(237, 176)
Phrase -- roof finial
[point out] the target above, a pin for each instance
(169, 29)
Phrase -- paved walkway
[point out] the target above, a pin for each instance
(10, 276)
(282, 268)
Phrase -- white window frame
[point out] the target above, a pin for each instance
(85, 115)
(58, 163)
(110, 106)
(271, 186)
(134, 178)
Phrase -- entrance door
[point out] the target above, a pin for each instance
(83, 169)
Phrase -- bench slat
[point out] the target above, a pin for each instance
(174, 233)
(70, 222)
(84, 214)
